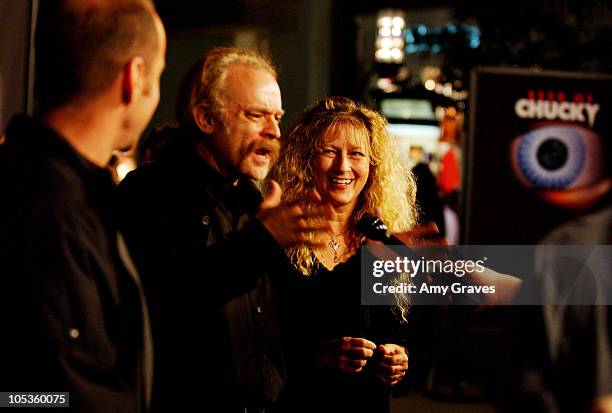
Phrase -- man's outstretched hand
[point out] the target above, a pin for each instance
(290, 223)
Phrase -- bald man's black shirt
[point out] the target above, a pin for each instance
(71, 313)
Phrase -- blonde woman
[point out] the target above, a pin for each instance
(342, 354)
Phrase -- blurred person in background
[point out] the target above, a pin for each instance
(429, 203)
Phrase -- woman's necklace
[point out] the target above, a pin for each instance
(335, 245)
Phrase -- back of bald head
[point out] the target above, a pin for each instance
(82, 45)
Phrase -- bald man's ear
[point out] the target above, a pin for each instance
(134, 74)
(204, 119)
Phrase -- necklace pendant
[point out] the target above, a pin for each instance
(334, 245)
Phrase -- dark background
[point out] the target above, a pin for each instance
(326, 47)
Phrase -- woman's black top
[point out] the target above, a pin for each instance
(324, 306)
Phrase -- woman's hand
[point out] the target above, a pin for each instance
(393, 363)
(347, 354)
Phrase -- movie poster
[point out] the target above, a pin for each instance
(537, 154)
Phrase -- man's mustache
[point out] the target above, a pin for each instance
(271, 146)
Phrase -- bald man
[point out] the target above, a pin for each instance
(73, 315)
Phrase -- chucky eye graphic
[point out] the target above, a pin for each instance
(565, 164)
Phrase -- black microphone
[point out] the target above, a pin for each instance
(373, 228)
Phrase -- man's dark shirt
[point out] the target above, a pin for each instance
(205, 262)
(71, 313)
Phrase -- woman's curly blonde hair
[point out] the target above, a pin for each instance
(390, 187)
